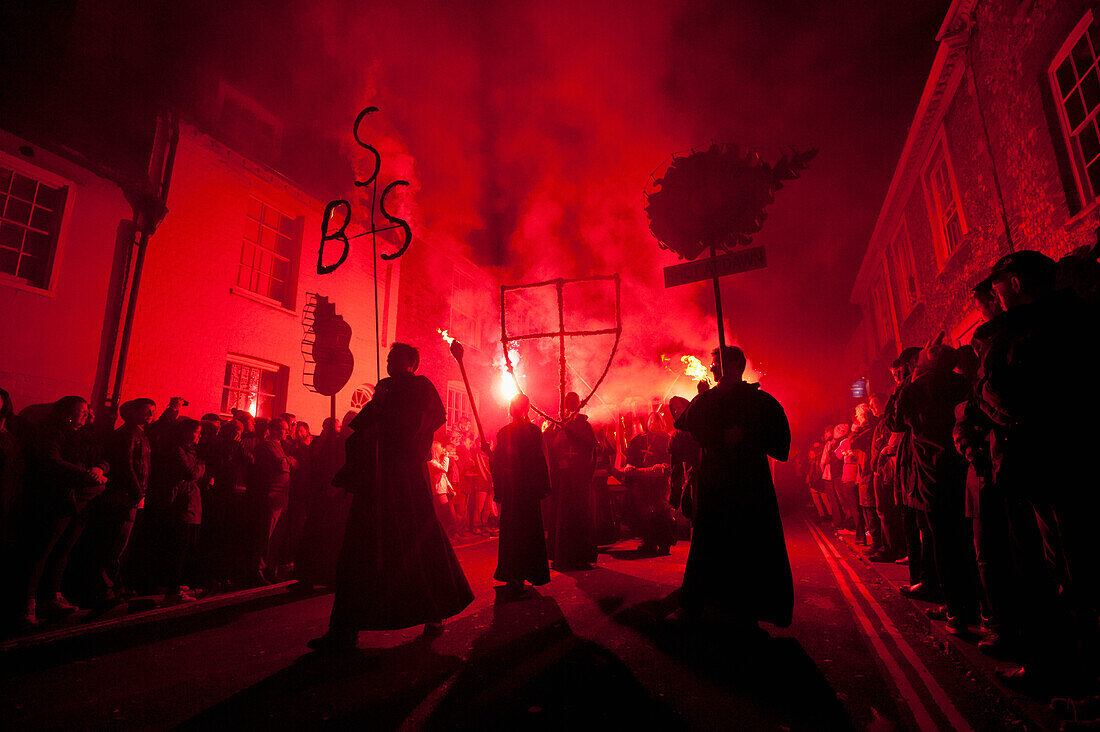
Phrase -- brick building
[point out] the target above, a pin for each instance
(1003, 154)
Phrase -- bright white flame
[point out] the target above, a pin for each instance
(506, 387)
(696, 371)
(446, 336)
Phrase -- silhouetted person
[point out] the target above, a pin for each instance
(174, 504)
(571, 452)
(323, 533)
(521, 479)
(685, 454)
(268, 496)
(646, 479)
(1038, 385)
(62, 476)
(925, 409)
(396, 568)
(112, 513)
(738, 559)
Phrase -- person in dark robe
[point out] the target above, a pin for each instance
(396, 568)
(738, 560)
(521, 478)
(572, 457)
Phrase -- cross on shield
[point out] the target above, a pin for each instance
(561, 334)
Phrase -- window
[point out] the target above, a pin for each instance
(465, 323)
(948, 224)
(880, 305)
(269, 253)
(256, 388)
(458, 405)
(905, 271)
(1076, 86)
(30, 219)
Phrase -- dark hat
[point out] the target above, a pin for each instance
(1024, 262)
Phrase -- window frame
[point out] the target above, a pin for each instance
(458, 388)
(940, 151)
(906, 284)
(59, 238)
(1078, 166)
(290, 295)
(472, 339)
(282, 381)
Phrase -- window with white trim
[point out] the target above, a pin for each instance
(269, 253)
(945, 208)
(905, 271)
(253, 387)
(458, 405)
(1076, 85)
(30, 221)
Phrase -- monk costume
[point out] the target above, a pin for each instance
(396, 568)
(521, 479)
(738, 560)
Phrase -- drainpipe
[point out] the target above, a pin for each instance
(149, 209)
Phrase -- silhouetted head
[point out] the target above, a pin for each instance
(572, 402)
(187, 431)
(231, 431)
(518, 407)
(402, 359)
(330, 425)
(733, 361)
(70, 412)
(676, 406)
(1022, 277)
(276, 430)
(140, 411)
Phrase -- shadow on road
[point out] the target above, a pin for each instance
(369, 689)
(773, 675)
(529, 671)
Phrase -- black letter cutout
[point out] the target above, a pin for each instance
(339, 236)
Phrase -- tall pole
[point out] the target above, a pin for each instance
(718, 313)
(561, 356)
(374, 261)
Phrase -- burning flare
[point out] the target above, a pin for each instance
(508, 385)
(446, 336)
(696, 371)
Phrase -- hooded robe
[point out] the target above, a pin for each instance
(396, 568)
(738, 560)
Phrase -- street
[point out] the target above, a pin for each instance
(592, 648)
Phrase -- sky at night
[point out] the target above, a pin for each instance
(529, 131)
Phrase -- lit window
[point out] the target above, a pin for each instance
(253, 388)
(905, 271)
(948, 224)
(269, 252)
(30, 218)
(1076, 86)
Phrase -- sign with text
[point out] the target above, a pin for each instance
(711, 267)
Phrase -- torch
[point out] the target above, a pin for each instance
(457, 351)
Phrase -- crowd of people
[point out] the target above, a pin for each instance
(93, 516)
(171, 505)
(977, 472)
